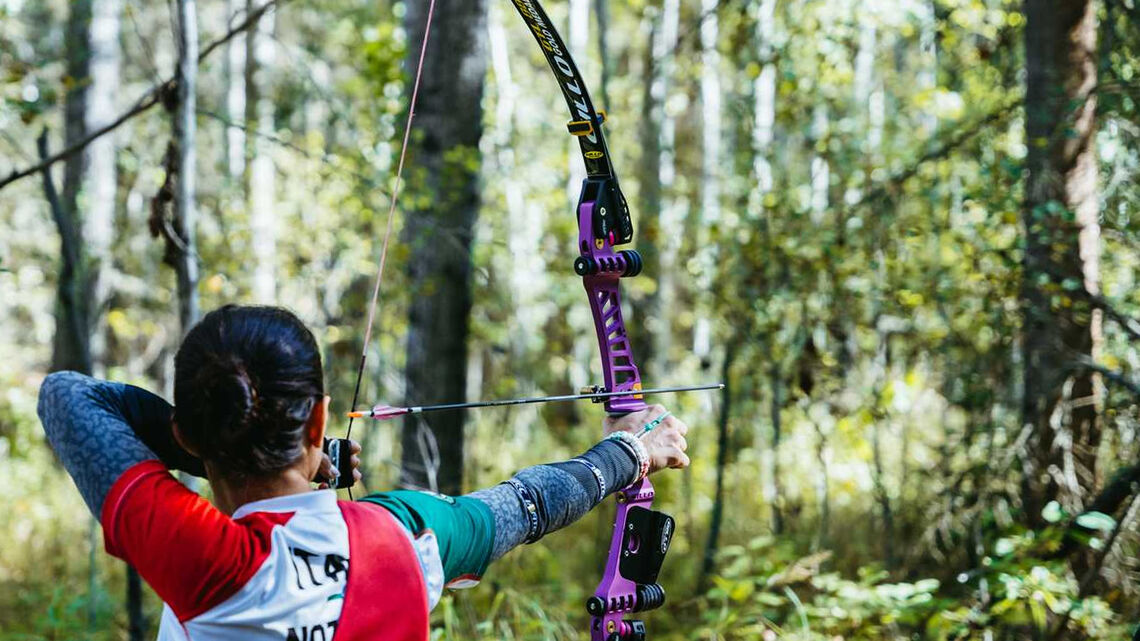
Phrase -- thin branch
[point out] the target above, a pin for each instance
(151, 98)
(1110, 374)
(1130, 325)
(66, 229)
(941, 150)
(69, 242)
(330, 159)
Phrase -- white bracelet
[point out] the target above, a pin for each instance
(638, 448)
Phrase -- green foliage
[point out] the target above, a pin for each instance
(868, 289)
(765, 591)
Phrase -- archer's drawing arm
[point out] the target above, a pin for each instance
(89, 425)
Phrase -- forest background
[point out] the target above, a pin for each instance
(904, 233)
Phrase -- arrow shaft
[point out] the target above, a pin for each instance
(547, 399)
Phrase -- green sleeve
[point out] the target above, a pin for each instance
(463, 526)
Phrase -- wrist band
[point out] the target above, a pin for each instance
(597, 475)
(530, 506)
(637, 448)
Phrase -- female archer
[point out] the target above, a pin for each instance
(271, 558)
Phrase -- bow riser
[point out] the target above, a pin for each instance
(604, 268)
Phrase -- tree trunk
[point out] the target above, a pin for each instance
(712, 544)
(527, 223)
(185, 137)
(1061, 329)
(233, 70)
(602, 11)
(101, 180)
(709, 212)
(764, 105)
(774, 492)
(578, 38)
(262, 172)
(648, 216)
(439, 228)
(671, 212)
(879, 416)
(71, 348)
(822, 486)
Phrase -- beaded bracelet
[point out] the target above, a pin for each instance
(637, 449)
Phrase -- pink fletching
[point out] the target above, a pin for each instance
(382, 412)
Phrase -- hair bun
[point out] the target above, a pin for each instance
(231, 398)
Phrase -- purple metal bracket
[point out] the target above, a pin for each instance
(618, 369)
(617, 592)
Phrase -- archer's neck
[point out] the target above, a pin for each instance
(230, 494)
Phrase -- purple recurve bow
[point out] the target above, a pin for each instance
(640, 535)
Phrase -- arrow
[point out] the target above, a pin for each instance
(383, 412)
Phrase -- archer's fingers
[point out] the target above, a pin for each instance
(677, 424)
(326, 469)
(680, 443)
(677, 459)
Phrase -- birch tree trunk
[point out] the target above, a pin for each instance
(763, 136)
(1062, 257)
(101, 181)
(764, 102)
(439, 229)
(527, 222)
(709, 213)
(820, 169)
(672, 210)
(262, 172)
(233, 70)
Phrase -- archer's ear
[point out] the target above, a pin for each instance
(318, 421)
(181, 440)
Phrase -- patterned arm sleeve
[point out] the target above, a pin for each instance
(559, 493)
(89, 425)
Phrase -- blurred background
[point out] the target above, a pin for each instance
(904, 233)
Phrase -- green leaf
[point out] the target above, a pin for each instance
(1096, 521)
(1052, 512)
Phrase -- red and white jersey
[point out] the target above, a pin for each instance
(302, 567)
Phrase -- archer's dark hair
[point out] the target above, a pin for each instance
(245, 382)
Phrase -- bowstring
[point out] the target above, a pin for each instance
(391, 214)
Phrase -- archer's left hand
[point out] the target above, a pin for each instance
(665, 442)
